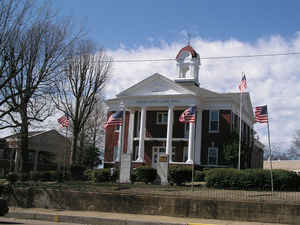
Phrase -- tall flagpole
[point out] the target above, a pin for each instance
(240, 132)
(193, 166)
(270, 156)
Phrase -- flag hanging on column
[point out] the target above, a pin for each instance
(243, 84)
(261, 114)
(188, 116)
(64, 120)
(114, 119)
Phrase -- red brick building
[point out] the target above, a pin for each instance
(152, 126)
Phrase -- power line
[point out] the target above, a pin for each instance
(208, 58)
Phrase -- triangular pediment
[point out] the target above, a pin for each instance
(155, 85)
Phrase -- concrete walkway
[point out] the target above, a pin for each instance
(93, 217)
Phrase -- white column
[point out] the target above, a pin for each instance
(130, 132)
(191, 144)
(119, 144)
(142, 135)
(169, 133)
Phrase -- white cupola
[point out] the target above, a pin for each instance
(188, 63)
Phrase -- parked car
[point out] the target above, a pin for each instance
(3, 207)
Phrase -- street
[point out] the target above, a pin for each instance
(4, 220)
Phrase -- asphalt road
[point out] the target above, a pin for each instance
(4, 220)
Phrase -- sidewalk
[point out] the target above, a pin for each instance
(93, 217)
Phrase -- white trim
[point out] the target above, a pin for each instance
(161, 139)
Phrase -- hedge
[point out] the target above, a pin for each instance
(180, 175)
(257, 179)
(145, 174)
(101, 175)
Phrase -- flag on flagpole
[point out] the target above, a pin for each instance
(261, 114)
(188, 116)
(114, 119)
(64, 120)
(243, 84)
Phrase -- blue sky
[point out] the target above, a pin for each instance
(134, 23)
(137, 29)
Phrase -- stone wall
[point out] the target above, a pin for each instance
(160, 205)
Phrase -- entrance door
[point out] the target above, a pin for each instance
(156, 151)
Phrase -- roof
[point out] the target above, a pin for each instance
(189, 49)
(30, 134)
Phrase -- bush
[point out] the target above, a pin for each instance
(77, 172)
(180, 175)
(102, 175)
(35, 176)
(24, 176)
(145, 174)
(12, 177)
(199, 176)
(115, 175)
(90, 175)
(257, 179)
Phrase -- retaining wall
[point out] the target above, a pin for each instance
(150, 204)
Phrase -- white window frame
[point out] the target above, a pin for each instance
(217, 155)
(159, 150)
(163, 115)
(210, 120)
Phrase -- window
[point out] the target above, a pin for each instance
(213, 121)
(161, 117)
(212, 156)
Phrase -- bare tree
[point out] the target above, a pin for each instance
(95, 126)
(42, 42)
(85, 74)
(13, 14)
(294, 151)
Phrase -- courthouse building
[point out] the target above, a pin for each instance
(153, 107)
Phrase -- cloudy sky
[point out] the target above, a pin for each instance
(158, 30)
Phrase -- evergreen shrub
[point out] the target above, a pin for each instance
(102, 175)
(199, 176)
(252, 179)
(180, 175)
(145, 174)
(77, 172)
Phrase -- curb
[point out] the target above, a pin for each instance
(82, 219)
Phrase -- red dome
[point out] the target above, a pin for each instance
(187, 48)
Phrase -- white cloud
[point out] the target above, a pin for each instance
(271, 80)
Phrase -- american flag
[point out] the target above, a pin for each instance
(64, 120)
(243, 84)
(188, 116)
(261, 114)
(114, 119)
